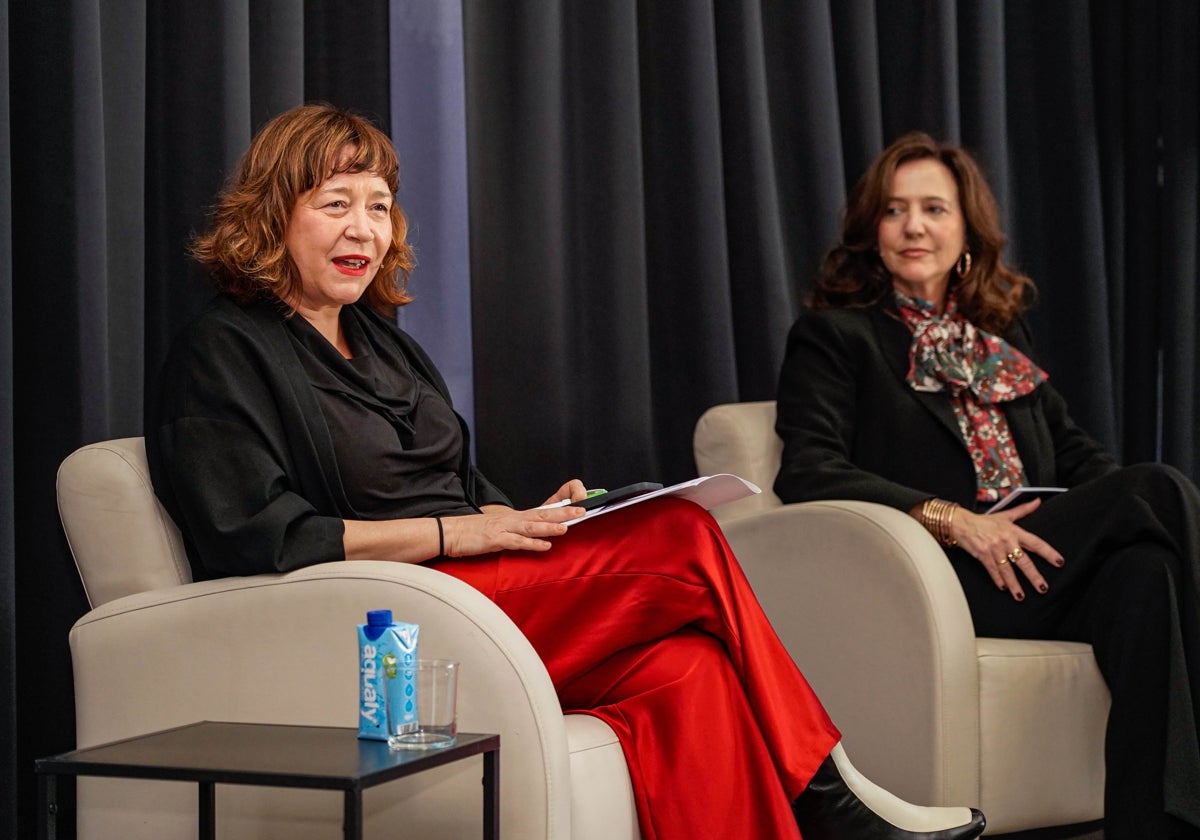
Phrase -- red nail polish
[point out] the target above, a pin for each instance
(1044, 588)
(1020, 596)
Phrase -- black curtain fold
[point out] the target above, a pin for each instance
(753, 192)
(8, 580)
(605, 290)
(277, 60)
(345, 55)
(983, 90)
(1179, 304)
(1126, 101)
(62, 381)
(682, 145)
(918, 85)
(856, 61)
(198, 119)
(515, 76)
(1055, 215)
(111, 255)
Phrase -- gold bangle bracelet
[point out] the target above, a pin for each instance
(937, 516)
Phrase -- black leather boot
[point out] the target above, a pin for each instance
(829, 810)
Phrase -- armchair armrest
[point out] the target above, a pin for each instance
(283, 649)
(869, 607)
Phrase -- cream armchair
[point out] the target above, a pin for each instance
(157, 650)
(868, 606)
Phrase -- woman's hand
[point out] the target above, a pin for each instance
(1003, 547)
(501, 528)
(572, 491)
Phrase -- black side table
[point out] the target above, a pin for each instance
(325, 757)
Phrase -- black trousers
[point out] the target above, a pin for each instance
(1129, 587)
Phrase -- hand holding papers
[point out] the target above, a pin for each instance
(1024, 494)
(707, 491)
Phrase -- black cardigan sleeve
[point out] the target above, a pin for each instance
(220, 447)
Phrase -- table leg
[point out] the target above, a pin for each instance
(491, 795)
(208, 811)
(352, 818)
(48, 814)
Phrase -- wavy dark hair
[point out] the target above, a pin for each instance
(853, 274)
(244, 248)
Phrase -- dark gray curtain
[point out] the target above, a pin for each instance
(8, 583)
(78, 374)
(122, 118)
(653, 185)
(1179, 234)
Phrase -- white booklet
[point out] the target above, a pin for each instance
(708, 491)
(1024, 494)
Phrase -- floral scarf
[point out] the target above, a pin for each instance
(978, 370)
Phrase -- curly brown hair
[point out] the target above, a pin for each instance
(244, 248)
(853, 274)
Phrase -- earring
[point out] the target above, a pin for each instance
(963, 266)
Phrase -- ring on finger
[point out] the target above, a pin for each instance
(1005, 561)
(1015, 555)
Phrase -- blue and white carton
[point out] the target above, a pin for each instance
(387, 677)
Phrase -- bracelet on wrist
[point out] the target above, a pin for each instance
(937, 516)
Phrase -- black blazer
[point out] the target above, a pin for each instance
(852, 428)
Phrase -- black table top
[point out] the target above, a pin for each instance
(278, 755)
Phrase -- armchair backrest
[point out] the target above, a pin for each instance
(740, 438)
(122, 539)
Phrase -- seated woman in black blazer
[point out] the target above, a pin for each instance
(910, 381)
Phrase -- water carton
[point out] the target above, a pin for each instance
(387, 677)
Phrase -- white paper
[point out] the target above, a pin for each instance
(1024, 494)
(708, 491)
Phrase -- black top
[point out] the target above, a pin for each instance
(239, 450)
(397, 442)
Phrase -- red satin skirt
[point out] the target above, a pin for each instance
(644, 619)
